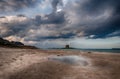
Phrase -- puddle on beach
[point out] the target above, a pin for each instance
(71, 60)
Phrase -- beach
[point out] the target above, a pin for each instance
(58, 64)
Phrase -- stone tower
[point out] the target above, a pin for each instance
(67, 46)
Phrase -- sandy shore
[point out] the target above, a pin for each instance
(58, 64)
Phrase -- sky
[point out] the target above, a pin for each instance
(55, 23)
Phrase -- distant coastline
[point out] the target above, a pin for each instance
(14, 44)
(115, 50)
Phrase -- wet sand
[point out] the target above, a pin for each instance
(58, 64)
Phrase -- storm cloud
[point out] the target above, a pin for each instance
(68, 19)
(55, 4)
(15, 5)
(95, 18)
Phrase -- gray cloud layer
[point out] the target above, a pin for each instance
(15, 5)
(79, 18)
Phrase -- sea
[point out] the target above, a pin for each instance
(102, 50)
(93, 50)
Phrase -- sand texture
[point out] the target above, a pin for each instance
(58, 64)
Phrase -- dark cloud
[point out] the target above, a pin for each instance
(16, 25)
(15, 5)
(110, 25)
(96, 7)
(16, 28)
(55, 18)
(21, 28)
(21, 15)
(42, 38)
(61, 36)
(98, 18)
(91, 18)
(55, 4)
(37, 20)
(106, 28)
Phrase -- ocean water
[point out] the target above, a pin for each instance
(92, 50)
(89, 50)
(103, 50)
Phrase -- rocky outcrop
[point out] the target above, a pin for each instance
(17, 43)
(14, 44)
(6, 42)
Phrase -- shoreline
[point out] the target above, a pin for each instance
(36, 63)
